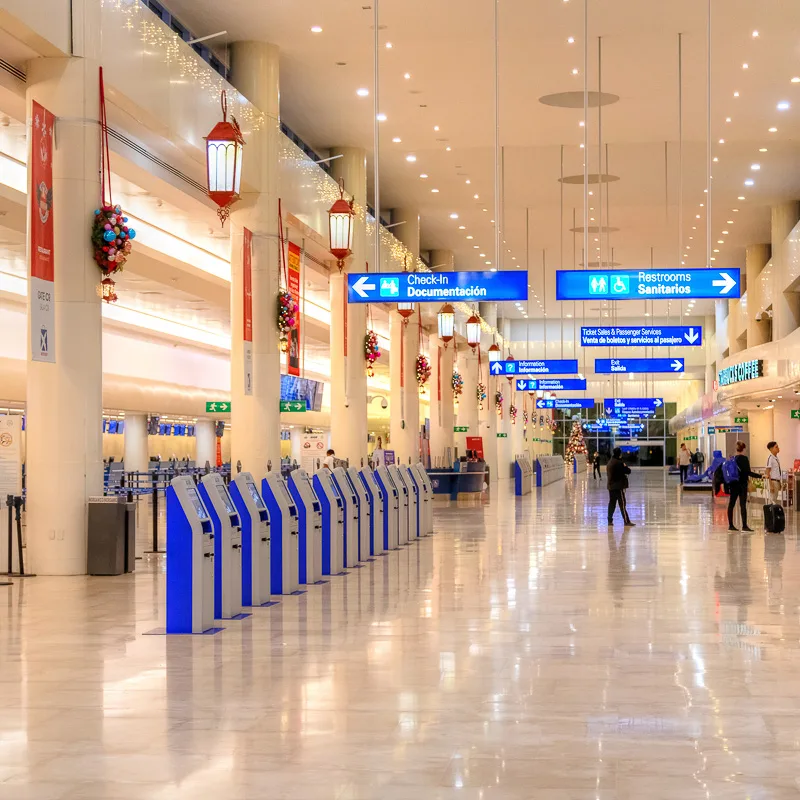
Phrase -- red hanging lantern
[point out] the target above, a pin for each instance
(473, 332)
(224, 161)
(446, 319)
(340, 227)
(494, 353)
(107, 290)
(405, 310)
(509, 376)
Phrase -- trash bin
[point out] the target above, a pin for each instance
(112, 532)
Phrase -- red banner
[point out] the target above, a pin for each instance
(439, 372)
(475, 443)
(42, 258)
(247, 308)
(293, 279)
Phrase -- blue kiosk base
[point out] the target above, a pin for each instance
(163, 632)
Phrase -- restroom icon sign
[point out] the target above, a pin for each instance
(620, 284)
(598, 284)
(390, 287)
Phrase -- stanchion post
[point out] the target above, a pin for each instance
(10, 504)
(155, 549)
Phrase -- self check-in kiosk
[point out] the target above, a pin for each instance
(351, 515)
(254, 517)
(416, 501)
(365, 515)
(375, 498)
(309, 510)
(284, 541)
(332, 522)
(392, 508)
(227, 546)
(420, 477)
(190, 560)
(406, 519)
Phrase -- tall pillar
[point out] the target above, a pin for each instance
(442, 413)
(348, 373)
(785, 305)
(137, 458)
(404, 400)
(760, 426)
(721, 327)
(756, 258)
(206, 444)
(255, 417)
(64, 399)
(467, 411)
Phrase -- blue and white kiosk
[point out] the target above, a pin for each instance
(190, 560)
(425, 495)
(391, 508)
(365, 515)
(253, 514)
(309, 511)
(284, 544)
(332, 522)
(352, 515)
(416, 496)
(227, 546)
(375, 498)
(408, 514)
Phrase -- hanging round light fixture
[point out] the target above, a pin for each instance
(340, 227)
(473, 331)
(447, 321)
(495, 354)
(224, 161)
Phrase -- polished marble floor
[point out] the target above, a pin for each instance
(525, 651)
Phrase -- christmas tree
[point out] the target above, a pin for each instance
(576, 444)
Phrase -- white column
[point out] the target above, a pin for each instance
(786, 432)
(442, 413)
(255, 418)
(404, 400)
(206, 444)
(64, 400)
(348, 372)
(137, 458)
(761, 428)
(785, 305)
(489, 418)
(756, 258)
(467, 411)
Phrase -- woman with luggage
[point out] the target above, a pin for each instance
(737, 472)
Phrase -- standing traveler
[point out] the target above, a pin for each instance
(617, 472)
(596, 465)
(773, 472)
(684, 461)
(330, 460)
(737, 485)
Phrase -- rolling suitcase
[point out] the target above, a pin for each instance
(774, 518)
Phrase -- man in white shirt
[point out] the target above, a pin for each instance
(773, 472)
(330, 460)
(684, 461)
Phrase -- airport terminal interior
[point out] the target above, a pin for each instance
(328, 471)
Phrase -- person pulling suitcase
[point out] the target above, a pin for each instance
(774, 517)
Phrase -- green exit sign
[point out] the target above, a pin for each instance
(502, 436)
(795, 414)
(741, 420)
(460, 428)
(690, 438)
(293, 405)
(217, 407)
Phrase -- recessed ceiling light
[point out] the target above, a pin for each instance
(389, 45)
(436, 127)
(381, 117)
(575, 71)
(720, 241)
(716, 251)
(316, 29)
(734, 209)
(397, 140)
(755, 34)
(736, 94)
(581, 124)
(727, 119)
(730, 222)
(454, 216)
(411, 158)
(470, 237)
(740, 197)
(468, 181)
(784, 105)
(407, 76)
(722, 141)
(476, 247)
(773, 130)
(448, 148)
(749, 182)
(715, 159)
(713, 258)
(435, 191)
(482, 255)
(745, 66)
(462, 227)
(755, 167)
(423, 175)
(762, 149)
(488, 262)
(571, 40)
(724, 233)
(697, 216)
(362, 92)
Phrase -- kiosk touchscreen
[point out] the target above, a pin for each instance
(255, 539)
(309, 510)
(404, 535)
(392, 505)
(332, 522)
(190, 560)
(365, 509)
(375, 500)
(284, 541)
(227, 546)
(352, 515)
(426, 489)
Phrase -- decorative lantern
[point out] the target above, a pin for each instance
(509, 376)
(447, 321)
(340, 227)
(224, 161)
(405, 310)
(106, 290)
(473, 331)
(494, 353)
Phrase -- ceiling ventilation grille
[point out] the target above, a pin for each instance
(12, 70)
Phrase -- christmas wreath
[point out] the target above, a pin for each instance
(287, 317)
(458, 385)
(423, 370)
(498, 402)
(371, 351)
(480, 392)
(512, 413)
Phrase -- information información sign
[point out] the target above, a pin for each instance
(550, 366)
(647, 283)
(608, 366)
(552, 385)
(565, 402)
(650, 336)
(436, 287)
(745, 371)
(632, 406)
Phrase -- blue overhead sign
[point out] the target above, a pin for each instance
(550, 366)
(432, 287)
(609, 366)
(565, 403)
(632, 406)
(552, 385)
(650, 284)
(649, 336)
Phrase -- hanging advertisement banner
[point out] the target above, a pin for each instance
(293, 280)
(247, 308)
(41, 253)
